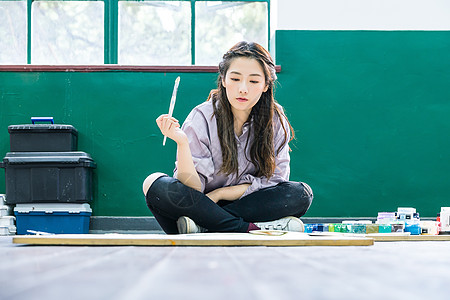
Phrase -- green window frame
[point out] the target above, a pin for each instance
(111, 26)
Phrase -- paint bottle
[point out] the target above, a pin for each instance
(406, 213)
(372, 228)
(385, 228)
(429, 227)
(413, 228)
(386, 217)
(320, 227)
(438, 219)
(331, 227)
(358, 228)
(398, 227)
(445, 220)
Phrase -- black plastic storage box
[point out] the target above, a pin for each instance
(42, 137)
(44, 177)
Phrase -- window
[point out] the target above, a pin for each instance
(13, 32)
(67, 32)
(220, 25)
(129, 32)
(154, 33)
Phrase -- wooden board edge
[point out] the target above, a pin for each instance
(43, 241)
(412, 238)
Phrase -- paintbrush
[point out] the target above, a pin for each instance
(172, 102)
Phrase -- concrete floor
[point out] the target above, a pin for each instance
(387, 270)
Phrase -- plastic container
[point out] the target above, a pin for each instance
(445, 220)
(42, 137)
(8, 230)
(384, 228)
(52, 218)
(309, 228)
(358, 228)
(7, 221)
(43, 177)
(414, 229)
(372, 228)
(5, 210)
(398, 227)
(429, 227)
(407, 214)
(386, 217)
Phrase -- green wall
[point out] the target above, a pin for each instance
(114, 113)
(371, 112)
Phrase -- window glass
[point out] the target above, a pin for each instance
(154, 33)
(13, 32)
(67, 32)
(220, 25)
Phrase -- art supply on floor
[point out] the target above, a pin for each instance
(445, 220)
(430, 227)
(398, 227)
(172, 102)
(403, 224)
(386, 217)
(384, 228)
(407, 214)
(372, 228)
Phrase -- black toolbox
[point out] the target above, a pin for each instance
(42, 137)
(44, 177)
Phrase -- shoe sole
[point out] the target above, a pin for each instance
(182, 225)
(295, 219)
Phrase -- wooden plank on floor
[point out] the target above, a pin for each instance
(387, 237)
(203, 239)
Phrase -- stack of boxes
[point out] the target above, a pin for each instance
(388, 222)
(410, 218)
(47, 179)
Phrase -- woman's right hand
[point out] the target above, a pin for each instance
(170, 127)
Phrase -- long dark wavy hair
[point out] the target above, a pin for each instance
(262, 152)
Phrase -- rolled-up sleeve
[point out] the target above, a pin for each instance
(282, 164)
(196, 129)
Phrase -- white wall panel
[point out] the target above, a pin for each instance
(361, 14)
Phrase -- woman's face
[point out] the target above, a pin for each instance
(244, 83)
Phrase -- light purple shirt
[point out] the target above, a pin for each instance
(201, 129)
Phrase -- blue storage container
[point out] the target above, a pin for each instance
(52, 218)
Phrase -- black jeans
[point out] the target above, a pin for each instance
(168, 199)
